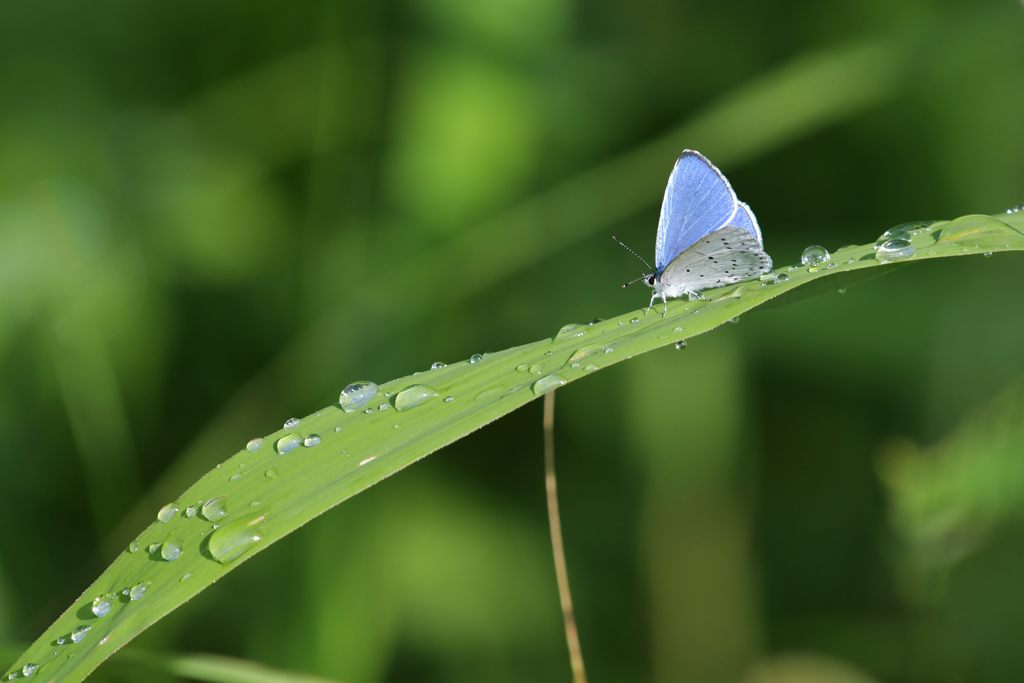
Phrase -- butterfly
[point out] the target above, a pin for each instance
(706, 236)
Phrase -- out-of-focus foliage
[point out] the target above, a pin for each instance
(214, 216)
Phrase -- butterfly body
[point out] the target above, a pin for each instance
(706, 237)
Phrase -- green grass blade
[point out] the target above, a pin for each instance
(267, 495)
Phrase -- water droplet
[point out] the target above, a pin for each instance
(368, 411)
(383, 406)
(287, 443)
(475, 358)
(137, 591)
(255, 503)
(292, 423)
(366, 461)
(634, 321)
(734, 321)
(356, 395)
(133, 547)
(185, 577)
(271, 473)
(438, 365)
(449, 399)
(987, 254)
(537, 369)
(585, 352)
(410, 397)
(214, 509)
(894, 250)
(571, 330)
(814, 255)
(589, 368)
(522, 367)
(191, 511)
(769, 278)
(1016, 208)
(841, 290)
(79, 632)
(900, 232)
(101, 605)
(311, 440)
(680, 345)
(487, 394)
(26, 670)
(254, 445)
(234, 539)
(167, 512)
(152, 548)
(170, 551)
(337, 428)
(235, 477)
(782, 278)
(830, 266)
(547, 383)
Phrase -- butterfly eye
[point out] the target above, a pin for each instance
(650, 280)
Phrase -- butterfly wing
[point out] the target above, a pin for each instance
(726, 256)
(744, 218)
(698, 200)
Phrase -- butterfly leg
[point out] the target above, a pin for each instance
(696, 296)
(664, 301)
(650, 304)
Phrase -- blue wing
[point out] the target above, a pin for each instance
(744, 218)
(698, 200)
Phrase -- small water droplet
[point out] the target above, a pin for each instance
(590, 367)
(368, 411)
(831, 265)
(571, 330)
(449, 399)
(152, 548)
(769, 278)
(311, 440)
(137, 591)
(585, 352)
(1016, 208)
(214, 509)
(487, 394)
(26, 670)
(167, 512)
(680, 345)
(437, 365)
(547, 383)
(734, 321)
(287, 443)
(185, 577)
(133, 547)
(356, 395)
(234, 539)
(987, 254)
(782, 278)
(894, 250)
(366, 461)
(814, 255)
(413, 396)
(292, 423)
(191, 511)
(522, 367)
(842, 290)
(394, 426)
(170, 551)
(337, 428)
(271, 473)
(634, 321)
(79, 632)
(235, 477)
(254, 445)
(383, 406)
(101, 605)
(475, 358)
(255, 503)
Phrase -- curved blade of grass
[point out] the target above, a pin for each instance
(268, 495)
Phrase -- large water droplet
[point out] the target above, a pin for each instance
(292, 423)
(234, 539)
(475, 358)
(894, 250)
(79, 632)
(410, 397)
(547, 383)
(254, 445)
(814, 255)
(133, 547)
(26, 671)
(170, 551)
(311, 440)
(137, 591)
(101, 605)
(215, 509)
(571, 330)
(167, 512)
(356, 395)
(438, 365)
(287, 443)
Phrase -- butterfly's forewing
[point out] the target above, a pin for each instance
(744, 218)
(726, 256)
(698, 200)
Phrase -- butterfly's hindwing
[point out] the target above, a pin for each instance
(726, 256)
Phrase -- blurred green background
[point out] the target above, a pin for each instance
(214, 215)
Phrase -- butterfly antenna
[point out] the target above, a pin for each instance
(642, 259)
(627, 284)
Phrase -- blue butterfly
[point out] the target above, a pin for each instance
(706, 236)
